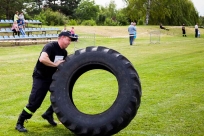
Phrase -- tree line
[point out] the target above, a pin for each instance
(86, 12)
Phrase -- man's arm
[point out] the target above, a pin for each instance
(46, 61)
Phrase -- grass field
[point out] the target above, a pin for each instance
(171, 74)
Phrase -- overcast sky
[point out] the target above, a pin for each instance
(199, 4)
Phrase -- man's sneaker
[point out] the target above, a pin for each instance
(21, 128)
(50, 119)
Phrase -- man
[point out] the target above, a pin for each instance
(196, 30)
(131, 30)
(52, 55)
(183, 30)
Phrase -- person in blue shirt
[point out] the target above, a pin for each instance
(20, 26)
(131, 30)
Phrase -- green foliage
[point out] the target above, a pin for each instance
(9, 7)
(72, 22)
(201, 20)
(49, 17)
(89, 22)
(174, 12)
(122, 18)
(87, 10)
(140, 22)
(101, 19)
(66, 7)
(110, 22)
(32, 10)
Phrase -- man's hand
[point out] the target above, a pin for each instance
(46, 61)
(57, 63)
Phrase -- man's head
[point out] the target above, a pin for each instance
(65, 38)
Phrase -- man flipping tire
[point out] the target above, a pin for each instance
(52, 55)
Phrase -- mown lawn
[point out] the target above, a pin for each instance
(171, 75)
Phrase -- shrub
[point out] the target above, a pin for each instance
(110, 22)
(72, 22)
(89, 23)
(49, 17)
(140, 22)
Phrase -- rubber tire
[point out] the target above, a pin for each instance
(121, 112)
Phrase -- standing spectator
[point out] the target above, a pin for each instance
(51, 56)
(131, 30)
(196, 30)
(72, 31)
(21, 18)
(15, 28)
(21, 28)
(183, 30)
(15, 18)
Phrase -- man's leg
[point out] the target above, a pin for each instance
(21, 119)
(48, 115)
(38, 93)
(131, 39)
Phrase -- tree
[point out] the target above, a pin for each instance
(172, 12)
(66, 7)
(87, 10)
(9, 7)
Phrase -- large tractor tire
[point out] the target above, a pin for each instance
(120, 113)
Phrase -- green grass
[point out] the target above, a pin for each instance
(171, 75)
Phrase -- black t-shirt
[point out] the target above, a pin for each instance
(53, 50)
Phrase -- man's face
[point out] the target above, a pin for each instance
(65, 41)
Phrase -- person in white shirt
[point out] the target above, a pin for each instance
(196, 30)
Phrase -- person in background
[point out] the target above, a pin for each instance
(196, 30)
(15, 29)
(198, 34)
(183, 30)
(135, 34)
(51, 56)
(21, 28)
(64, 29)
(21, 18)
(72, 31)
(15, 18)
(131, 30)
(162, 27)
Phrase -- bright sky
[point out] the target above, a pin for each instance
(199, 4)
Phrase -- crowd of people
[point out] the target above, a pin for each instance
(18, 24)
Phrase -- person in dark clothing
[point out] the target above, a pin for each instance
(196, 30)
(51, 56)
(183, 30)
(162, 27)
